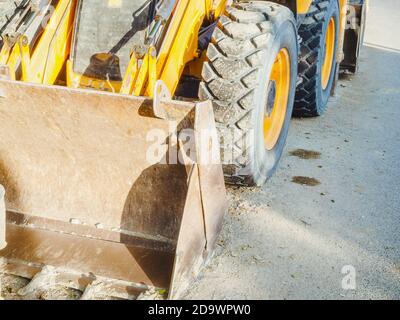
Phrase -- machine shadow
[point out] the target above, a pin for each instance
(153, 212)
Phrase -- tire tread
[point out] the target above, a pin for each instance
(235, 58)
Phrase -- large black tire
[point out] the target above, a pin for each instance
(236, 78)
(311, 98)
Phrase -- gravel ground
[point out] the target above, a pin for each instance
(292, 241)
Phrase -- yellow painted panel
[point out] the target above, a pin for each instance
(184, 47)
(303, 6)
(75, 80)
(51, 53)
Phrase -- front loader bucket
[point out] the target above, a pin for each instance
(88, 190)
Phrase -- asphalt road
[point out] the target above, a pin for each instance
(339, 239)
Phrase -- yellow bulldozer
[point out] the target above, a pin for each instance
(122, 120)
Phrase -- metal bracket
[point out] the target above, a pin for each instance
(161, 94)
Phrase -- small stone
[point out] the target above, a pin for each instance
(307, 224)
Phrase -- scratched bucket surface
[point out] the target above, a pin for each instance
(83, 194)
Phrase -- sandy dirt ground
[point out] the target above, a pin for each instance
(327, 226)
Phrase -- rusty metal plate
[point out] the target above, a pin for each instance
(82, 192)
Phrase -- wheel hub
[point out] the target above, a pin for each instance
(328, 53)
(277, 99)
(270, 98)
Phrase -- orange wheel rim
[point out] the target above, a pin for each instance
(275, 118)
(330, 40)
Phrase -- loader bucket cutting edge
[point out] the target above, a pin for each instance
(82, 193)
